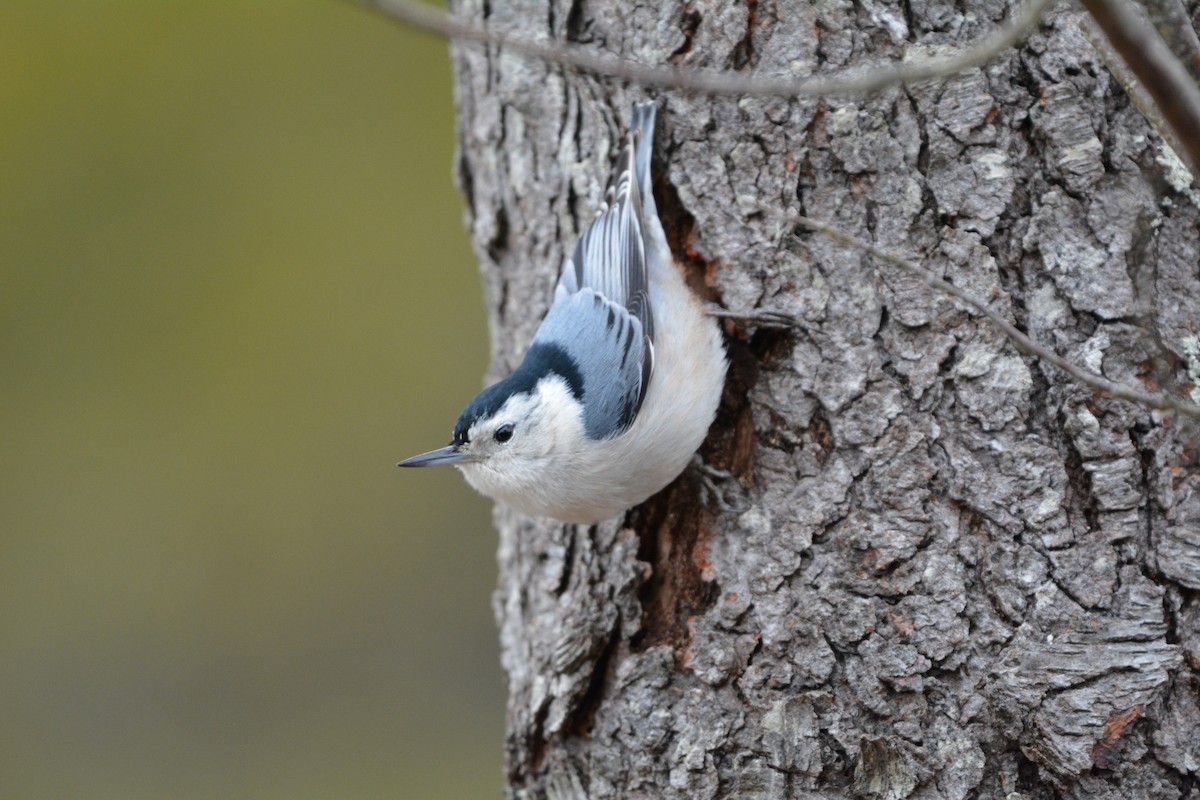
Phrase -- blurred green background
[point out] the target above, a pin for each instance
(234, 290)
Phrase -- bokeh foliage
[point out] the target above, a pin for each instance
(234, 290)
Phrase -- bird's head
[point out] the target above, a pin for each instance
(514, 437)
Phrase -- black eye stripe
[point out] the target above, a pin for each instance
(503, 433)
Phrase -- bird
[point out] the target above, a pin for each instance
(621, 381)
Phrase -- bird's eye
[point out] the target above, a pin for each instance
(503, 433)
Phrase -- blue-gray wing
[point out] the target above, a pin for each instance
(612, 353)
(601, 313)
(610, 256)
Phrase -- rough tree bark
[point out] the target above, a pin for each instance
(948, 571)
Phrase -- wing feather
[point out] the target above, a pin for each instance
(611, 352)
(602, 302)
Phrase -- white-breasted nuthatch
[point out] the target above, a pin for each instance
(621, 381)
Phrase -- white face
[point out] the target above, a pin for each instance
(530, 440)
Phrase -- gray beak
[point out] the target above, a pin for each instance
(443, 457)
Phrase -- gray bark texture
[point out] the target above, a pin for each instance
(942, 570)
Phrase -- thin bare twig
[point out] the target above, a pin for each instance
(1162, 76)
(437, 21)
(1171, 21)
(1133, 89)
(1159, 400)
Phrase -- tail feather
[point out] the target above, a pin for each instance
(643, 123)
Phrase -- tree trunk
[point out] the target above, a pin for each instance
(944, 570)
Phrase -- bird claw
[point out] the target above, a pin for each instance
(708, 479)
(761, 317)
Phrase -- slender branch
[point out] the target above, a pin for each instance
(435, 20)
(1171, 21)
(1160, 400)
(1163, 77)
(1134, 90)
